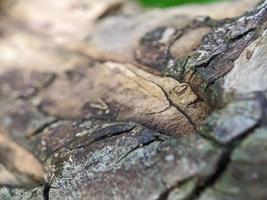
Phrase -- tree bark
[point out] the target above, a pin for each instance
(107, 100)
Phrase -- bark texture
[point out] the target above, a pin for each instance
(105, 100)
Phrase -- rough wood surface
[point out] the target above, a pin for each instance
(107, 100)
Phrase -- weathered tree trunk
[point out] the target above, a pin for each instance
(105, 100)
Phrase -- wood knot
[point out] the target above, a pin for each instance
(180, 89)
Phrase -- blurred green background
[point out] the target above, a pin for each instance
(168, 3)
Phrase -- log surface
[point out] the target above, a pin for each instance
(104, 100)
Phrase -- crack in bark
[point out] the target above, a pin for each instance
(171, 104)
(40, 129)
(138, 147)
(197, 100)
(93, 138)
(159, 112)
(104, 133)
(47, 187)
(46, 191)
(190, 120)
(263, 105)
(141, 86)
(165, 194)
(250, 23)
(221, 166)
(225, 158)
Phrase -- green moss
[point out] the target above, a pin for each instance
(168, 3)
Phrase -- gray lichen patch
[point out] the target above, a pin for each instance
(252, 149)
(245, 177)
(36, 194)
(61, 133)
(233, 121)
(11, 193)
(72, 133)
(114, 155)
(219, 41)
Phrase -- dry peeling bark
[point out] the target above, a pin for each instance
(107, 100)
